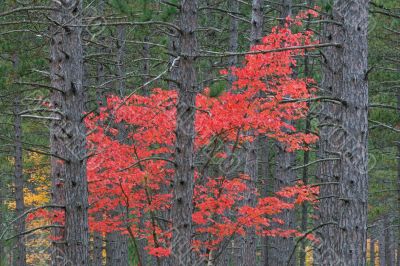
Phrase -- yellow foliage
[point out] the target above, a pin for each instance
(39, 174)
(38, 171)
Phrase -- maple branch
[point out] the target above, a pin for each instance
(130, 23)
(127, 207)
(324, 183)
(227, 54)
(322, 98)
(380, 124)
(41, 117)
(305, 235)
(26, 213)
(34, 229)
(41, 110)
(314, 162)
(173, 64)
(147, 159)
(31, 8)
(52, 206)
(47, 153)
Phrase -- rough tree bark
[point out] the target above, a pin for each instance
(97, 248)
(97, 243)
(233, 38)
(372, 252)
(1, 218)
(249, 248)
(265, 175)
(381, 242)
(257, 21)
(20, 254)
(343, 134)
(398, 185)
(304, 206)
(121, 39)
(281, 248)
(285, 10)
(388, 241)
(244, 248)
(116, 250)
(306, 158)
(146, 64)
(116, 242)
(68, 133)
(97, 254)
(182, 206)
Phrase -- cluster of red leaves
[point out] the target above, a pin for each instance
(220, 212)
(132, 141)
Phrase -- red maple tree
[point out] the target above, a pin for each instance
(132, 141)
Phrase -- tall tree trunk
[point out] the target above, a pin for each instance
(174, 49)
(245, 246)
(306, 158)
(233, 38)
(304, 206)
(97, 248)
(266, 181)
(250, 239)
(100, 66)
(285, 10)
(116, 242)
(68, 133)
(382, 243)
(372, 252)
(343, 134)
(146, 65)
(388, 241)
(398, 186)
(20, 256)
(182, 206)
(386, 234)
(116, 250)
(281, 248)
(97, 254)
(121, 39)
(257, 21)
(1, 218)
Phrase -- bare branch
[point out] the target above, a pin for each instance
(227, 54)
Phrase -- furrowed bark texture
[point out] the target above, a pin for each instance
(280, 248)
(233, 39)
(306, 158)
(97, 253)
(265, 176)
(343, 134)
(68, 133)
(1, 220)
(121, 39)
(398, 185)
(249, 243)
(20, 254)
(245, 246)
(372, 252)
(182, 206)
(116, 242)
(382, 243)
(116, 249)
(257, 21)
